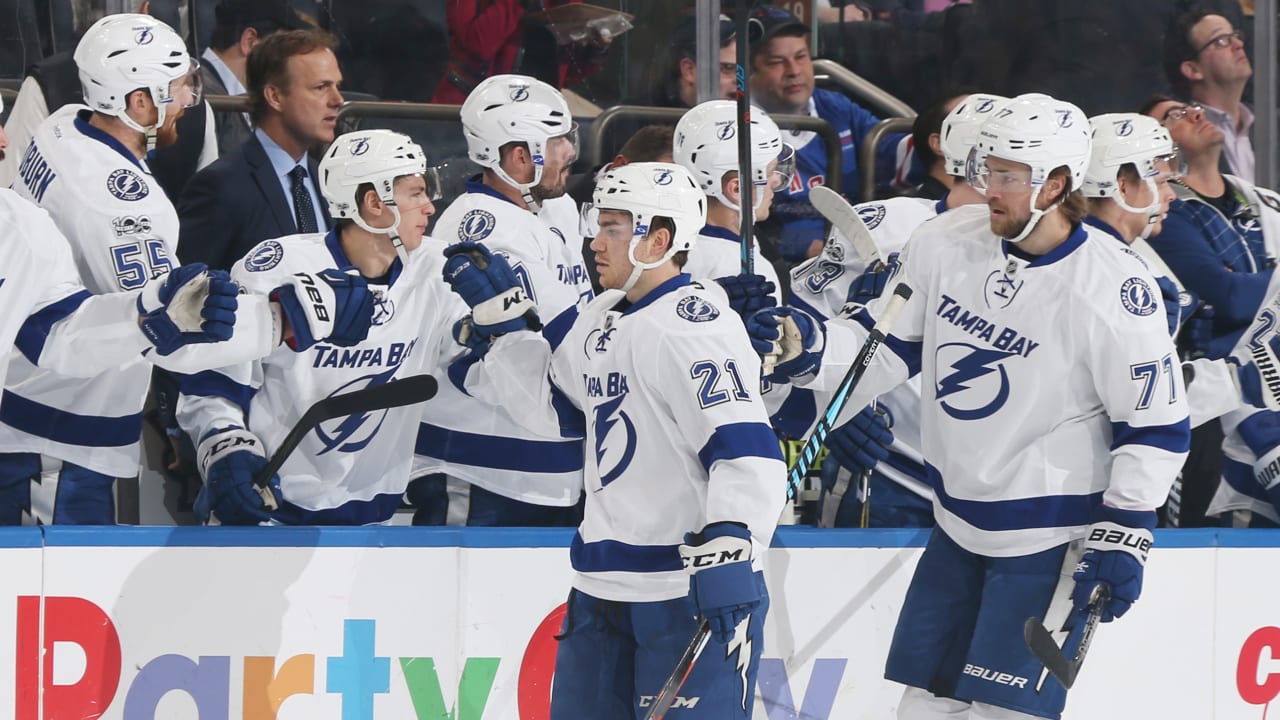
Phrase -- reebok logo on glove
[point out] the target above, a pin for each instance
(1110, 536)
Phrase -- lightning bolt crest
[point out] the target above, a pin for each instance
(970, 367)
(742, 643)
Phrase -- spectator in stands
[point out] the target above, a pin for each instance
(267, 188)
(494, 37)
(926, 140)
(1205, 61)
(676, 81)
(782, 82)
(55, 82)
(240, 25)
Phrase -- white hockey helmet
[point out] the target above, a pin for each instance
(706, 144)
(515, 108)
(1040, 132)
(647, 190)
(959, 130)
(1121, 139)
(126, 52)
(376, 157)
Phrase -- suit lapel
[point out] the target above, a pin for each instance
(269, 185)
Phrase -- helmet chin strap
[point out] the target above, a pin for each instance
(149, 131)
(393, 232)
(1152, 210)
(1036, 214)
(638, 267)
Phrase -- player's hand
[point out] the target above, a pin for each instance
(722, 584)
(748, 293)
(190, 305)
(1116, 548)
(862, 442)
(1261, 433)
(871, 283)
(330, 305)
(465, 335)
(790, 343)
(486, 282)
(229, 460)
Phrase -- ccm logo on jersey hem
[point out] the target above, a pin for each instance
(998, 678)
(126, 185)
(1137, 298)
(695, 309)
(268, 255)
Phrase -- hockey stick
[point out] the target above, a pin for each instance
(746, 189)
(818, 435)
(397, 393)
(1040, 641)
(844, 217)
(667, 696)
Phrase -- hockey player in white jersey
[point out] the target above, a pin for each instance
(884, 440)
(520, 131)
(658, 374)
(64, 440)
(352, 470)
(1053, 410)
(706, 144)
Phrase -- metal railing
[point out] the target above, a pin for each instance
(862, 89)
(610, 116)
(867, 153)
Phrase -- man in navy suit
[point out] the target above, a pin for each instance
(267, 188)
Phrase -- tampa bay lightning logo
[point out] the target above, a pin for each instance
(359, 146)
(726, 131)
(695, 309)
(126, 185)
(352, 433)
(144, 36)
(383, 308)
(264, 257)
(1001, 289)
(834, 249)
(520, 93)
(973, 383)
(612, 460)
(1124, 128)
(871, 215)
(662, 177)
(1065, 119)
(1137, 298)
(476, 225)
(985, 106)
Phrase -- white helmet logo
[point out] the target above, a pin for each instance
(985, 106)
(359, 146)
(662, 177)
(1124, 128)
(1064, 118)
(144, 36)
(726, 131)
(520, 93)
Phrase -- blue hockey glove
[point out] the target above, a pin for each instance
(862, 442)
(789, 342)
(331, 305)
(486, 282)
(190, 305)
(465, 335)
(1261, 432)
(722, 583)
(1116, 548)
(748, 293)
(871, 283)
(229, 459)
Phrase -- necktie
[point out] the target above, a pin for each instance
(304, 213)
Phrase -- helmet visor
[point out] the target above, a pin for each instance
(1173, 165)
(187, 90)
(432, 176)
(780, 178)
(1006, 177)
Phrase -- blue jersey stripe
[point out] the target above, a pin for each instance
(458, 370)
(559, 326)
(1045, 511)
(616, 556)
(210, 383)
(1175, 438)
(909, 352)
(61, 426)
(499, 453)
(379, 509)
(796, 414)
(35, 329)
(737, 440)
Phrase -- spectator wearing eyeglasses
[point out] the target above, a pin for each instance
(1205, 61)
(676, 82)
